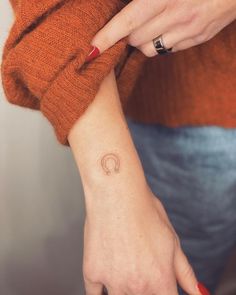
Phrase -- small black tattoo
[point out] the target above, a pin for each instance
(110, 163)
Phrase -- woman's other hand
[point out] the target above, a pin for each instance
(181, 23)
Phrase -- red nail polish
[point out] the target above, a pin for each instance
(203, 289)
(93, 53)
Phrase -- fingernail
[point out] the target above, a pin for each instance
(93, 53)
(203, 289)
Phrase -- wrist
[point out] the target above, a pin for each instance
(115, 176)
(112, 170)
(123, 197)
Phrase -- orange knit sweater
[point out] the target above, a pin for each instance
(43, 65)
(194, 87)
(43, 68)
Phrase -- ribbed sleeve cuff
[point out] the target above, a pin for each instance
(44, 59)
(70, 94)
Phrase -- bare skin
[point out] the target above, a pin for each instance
(182, 23)
(130, 246)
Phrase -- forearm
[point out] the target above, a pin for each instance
(102, 146)
(123, 217)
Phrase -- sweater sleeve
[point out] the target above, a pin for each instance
(43, 65)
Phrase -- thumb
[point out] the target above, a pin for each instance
(186, 276)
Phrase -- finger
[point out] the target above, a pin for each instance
(155, 27)
(185, 274)
(184, 45)
(167, 286)
(195, 36)
(114, 291)
(170, 40)
(93, 288)
(126, 21)
(195, 40)
(168, 290)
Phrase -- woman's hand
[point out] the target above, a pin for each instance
(182, 23)
(131, 248)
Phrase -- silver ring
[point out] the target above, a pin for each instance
(159, 46)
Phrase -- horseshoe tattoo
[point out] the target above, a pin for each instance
(114, 163)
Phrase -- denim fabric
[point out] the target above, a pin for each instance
(193, 172)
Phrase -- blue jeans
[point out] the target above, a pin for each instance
(193, 172)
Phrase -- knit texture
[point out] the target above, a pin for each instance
(44, 67)
(194, 87)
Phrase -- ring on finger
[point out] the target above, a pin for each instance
(160, 46)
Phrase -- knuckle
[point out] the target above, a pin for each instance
(134, 40)
(90, 274)
(177, 241)
(165, 279)
(197, 27)
(166, 282)
(137, 285)
(147, 50)
(185, 13)
(130, 23)
(186, 18)
(90, 280)
(177, 48)
(200, 38)
(188, 272)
